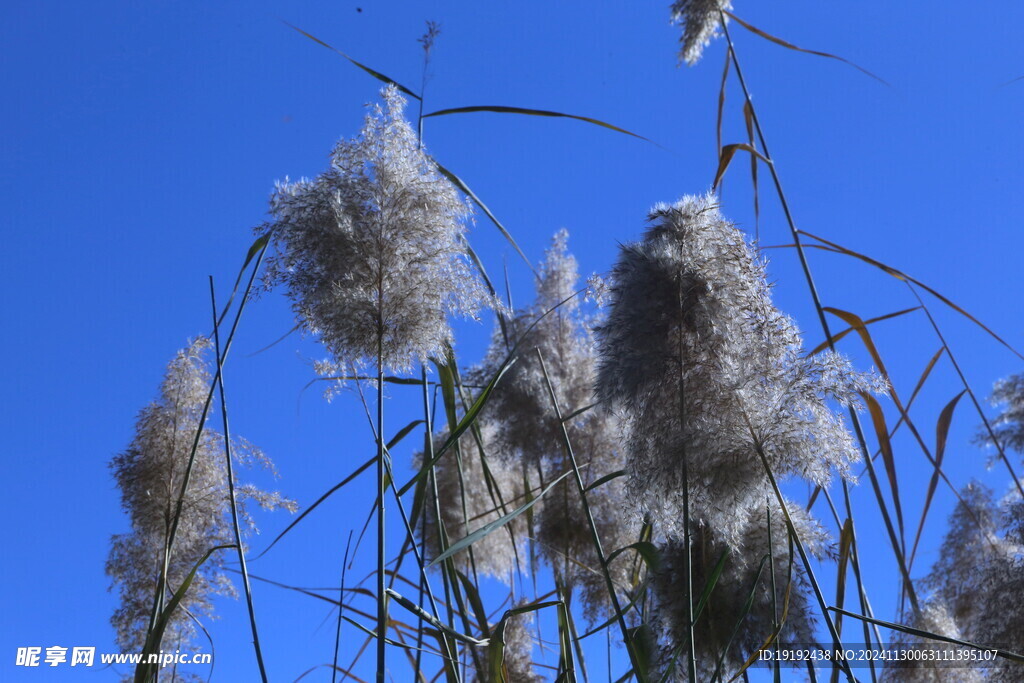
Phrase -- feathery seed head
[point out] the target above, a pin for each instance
(1009, 424)
(700, 20)
(934, 617)
(528, 430)
(517, 651)
(372, 252)
(555, 326)
(150, 473)
(734, 586)
(972, 541)
(707, 372)
(563, 530)
(981, 563)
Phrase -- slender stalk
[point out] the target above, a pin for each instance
(1006, 654)
(161, 586)
(341, 609)
(691, 645)
(865, 606)
(419, 603)
(776, 626)
(449, 579)
(442, 538)
(425, 582)
(633, 655)
(382, 601)
(854, 417)
(231, 490)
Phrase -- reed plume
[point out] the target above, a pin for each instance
(149, 474)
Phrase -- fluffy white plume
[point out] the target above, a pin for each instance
(555, 326)
(150, 473)
(934, 617)
(516, 662)
(748, 568)
(705, 370)
(372, 252)
(700, 21)
(1008, 395)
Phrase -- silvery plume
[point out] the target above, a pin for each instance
(747, 571)
(372, 252)
(999, 617)
(933, 617)
(150, 473)
(973, 542)
(700, 20)
(563, 530)
(980, 571)
(707, 373)
(556, 327)
(1008, 426)
(475, 485)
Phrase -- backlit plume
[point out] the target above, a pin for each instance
(150, 474)
(706, 371)
(372, 252)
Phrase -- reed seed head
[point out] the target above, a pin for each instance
(700, 21)
(556, 327)
(747, 574)
(1008, 395)
(708, 375)
(934, 617)
(150, 473)
(372, 252)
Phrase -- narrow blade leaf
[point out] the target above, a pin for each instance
(725, 158)
(376, 74)
(493, 526)
(499, 109)
(790, 46)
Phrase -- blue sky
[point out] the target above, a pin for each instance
(141, 141)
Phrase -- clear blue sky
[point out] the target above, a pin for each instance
(141, 140)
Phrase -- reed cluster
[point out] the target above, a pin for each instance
(628, 456)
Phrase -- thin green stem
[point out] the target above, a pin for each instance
(341, 609)
(161, 586)
(691, 645)
(382, 600)
(231, 490)
(803, 553)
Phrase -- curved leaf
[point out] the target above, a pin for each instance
(145, 670)
(499, 109)
(927, 635)
(941, 434)
(900, 275)
(728, 152)
(459, 183)
(882, 434)
(790, 46)
(493, 526)
(362, 468)
(839, 335)
(376, 74)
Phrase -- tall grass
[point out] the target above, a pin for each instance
(624, 456)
